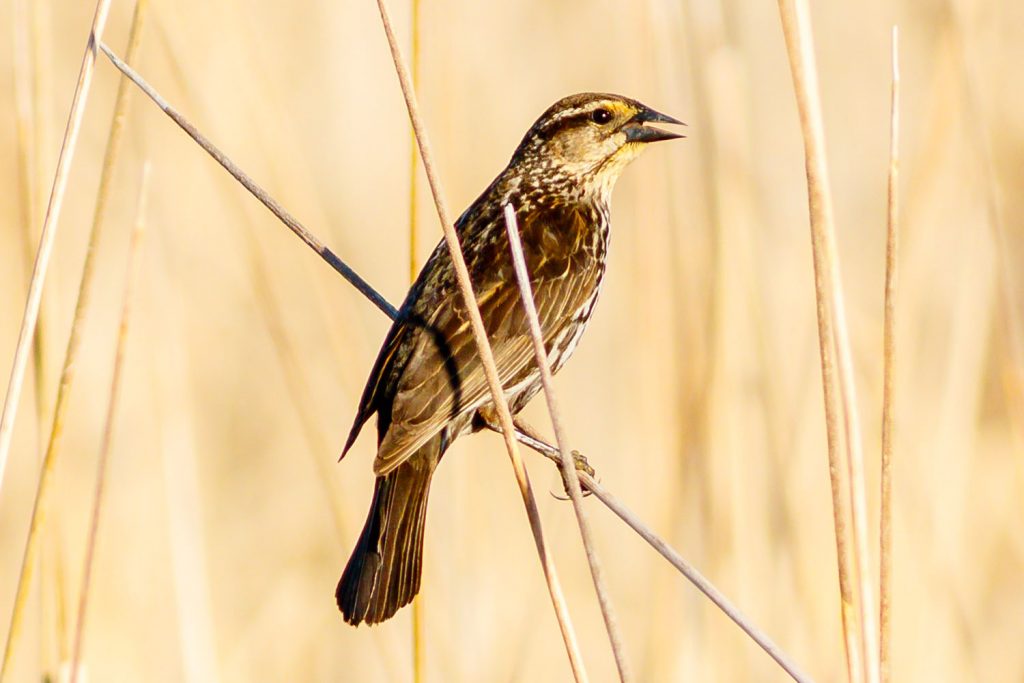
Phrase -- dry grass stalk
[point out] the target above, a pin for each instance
(49, 232)
(295, 382)
(27, 108)
(889, 356)
(531, 438)
(300, 398)
(272, 317)
(81, 307)
(418, 649)
(836, 361)
(175, 445)
(132, 273)
(303, 234)
(486, 355)
(1010, 310)
(569, 473)
(413, 153)
(26, 133)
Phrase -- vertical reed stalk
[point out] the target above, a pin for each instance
(46, 239)
(39, 508)
(26, 134)
(131, 276)
(569, 474)
(1011, 319)
(413, 154)
(186, 535)
(486, 354)
(889, 357)
(836, 362)
(26, 109)
(418, 650)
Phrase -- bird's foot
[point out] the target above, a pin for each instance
(580, 462)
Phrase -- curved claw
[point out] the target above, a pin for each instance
(558, 497)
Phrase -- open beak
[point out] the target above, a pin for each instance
(636, 131)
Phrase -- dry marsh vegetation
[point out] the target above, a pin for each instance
(697, 394)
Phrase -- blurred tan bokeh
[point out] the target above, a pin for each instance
(696, 393)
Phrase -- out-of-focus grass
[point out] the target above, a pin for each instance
(696, 392)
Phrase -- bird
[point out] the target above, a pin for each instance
(427, 386)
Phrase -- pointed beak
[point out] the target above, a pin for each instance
(636, 131)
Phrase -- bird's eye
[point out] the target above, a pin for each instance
(601, 116)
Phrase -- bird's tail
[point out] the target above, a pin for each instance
(383, 573)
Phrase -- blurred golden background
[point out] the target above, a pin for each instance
(696, 393)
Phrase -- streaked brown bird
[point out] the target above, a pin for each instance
(427, 386)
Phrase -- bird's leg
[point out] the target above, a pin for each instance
(528, 436)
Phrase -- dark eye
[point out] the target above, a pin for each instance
(601, 116)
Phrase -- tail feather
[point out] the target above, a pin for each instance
(383, 573)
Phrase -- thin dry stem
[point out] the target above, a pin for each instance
(248, 183)
(418, 649)
(46, 239)
(132, 273)
(486, 355)
(889, 356)
(176, 448)
(32, 310)
(26, 107)
(836, 361)
(28, 197)
(569, 473)
(52, 565)
(62, 607)
(295, 382)
(413, 153)
(531, 438)
(1010, 310)
(299, 395)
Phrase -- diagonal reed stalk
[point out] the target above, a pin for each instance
(131, 276)
(486, 355)
(248, 183)
(39, 507)
(522, 433)
(569, 474)
(47, 236)
(531, 438)
(836, 362)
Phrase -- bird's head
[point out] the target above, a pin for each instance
(584, 141)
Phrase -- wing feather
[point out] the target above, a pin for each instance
(429, 372)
